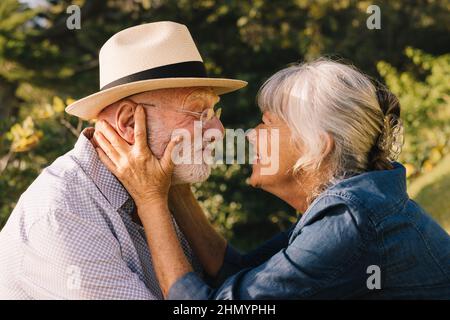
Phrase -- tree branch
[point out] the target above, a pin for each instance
(67, 124)
(4, 160)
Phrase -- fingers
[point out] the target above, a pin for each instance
(166, 160)
(140, 128)
(112, 136)
(106, 147)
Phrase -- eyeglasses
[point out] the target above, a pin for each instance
(204, 116)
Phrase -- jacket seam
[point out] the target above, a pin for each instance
(430, 251)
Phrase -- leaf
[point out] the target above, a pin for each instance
(24, 136)
(58, 104)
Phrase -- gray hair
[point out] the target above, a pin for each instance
(327, 97)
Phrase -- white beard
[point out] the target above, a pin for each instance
(182, 173)
(190, 173)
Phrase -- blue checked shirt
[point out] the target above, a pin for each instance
(72, 236)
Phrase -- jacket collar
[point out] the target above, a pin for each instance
(379, 193)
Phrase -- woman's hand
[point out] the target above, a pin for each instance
(146, 178)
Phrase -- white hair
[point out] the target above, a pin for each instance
(326, 97)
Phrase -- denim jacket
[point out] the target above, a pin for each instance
(363, 238)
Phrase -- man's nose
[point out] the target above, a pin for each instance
(214, 123)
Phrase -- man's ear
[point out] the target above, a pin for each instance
(125, 121)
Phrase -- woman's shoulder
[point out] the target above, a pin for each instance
(341, 212)
(369, 196)
(354, 207)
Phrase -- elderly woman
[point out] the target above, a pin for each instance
(360, 235)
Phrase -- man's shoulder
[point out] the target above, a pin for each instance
(63, 186)
(58, 180)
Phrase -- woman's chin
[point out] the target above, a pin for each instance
(265, 182)
(254, 179)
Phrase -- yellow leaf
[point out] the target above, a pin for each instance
(58, 104)
(410, 169)
(24, 136)
(427, 166)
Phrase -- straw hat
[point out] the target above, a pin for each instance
(150, 56)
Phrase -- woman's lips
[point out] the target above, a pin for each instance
(256, 159)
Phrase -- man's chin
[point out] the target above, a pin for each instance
(190, 173)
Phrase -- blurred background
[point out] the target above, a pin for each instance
(44, 66)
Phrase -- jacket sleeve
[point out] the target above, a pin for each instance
(324, 260)
(234, 261)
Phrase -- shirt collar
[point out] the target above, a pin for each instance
(105, 181)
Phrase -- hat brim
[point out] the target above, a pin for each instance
(89, 107)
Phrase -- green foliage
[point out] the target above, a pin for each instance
(424, 94)
(43, 64)
(432, 191)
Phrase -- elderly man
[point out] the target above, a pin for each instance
(74, 233)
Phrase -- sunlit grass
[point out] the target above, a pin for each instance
(432, 192)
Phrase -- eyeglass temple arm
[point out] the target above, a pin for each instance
(190, 112)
